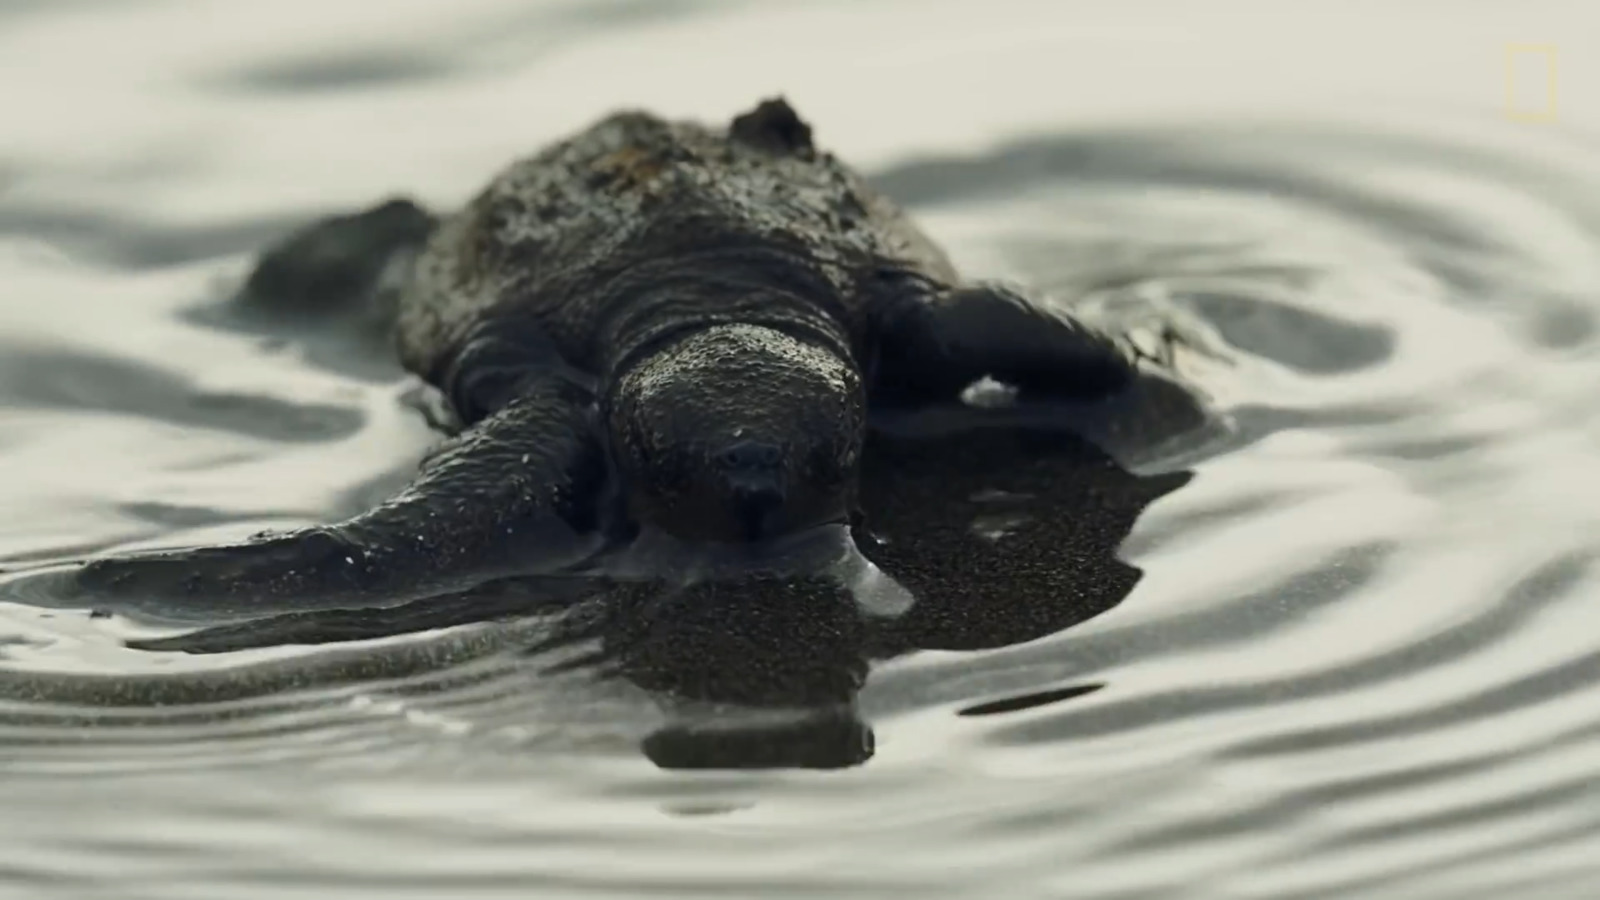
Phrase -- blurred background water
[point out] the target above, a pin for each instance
(1364, 656)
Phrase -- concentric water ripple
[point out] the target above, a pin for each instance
(1362, 659)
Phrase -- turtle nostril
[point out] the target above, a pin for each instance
(746, 455)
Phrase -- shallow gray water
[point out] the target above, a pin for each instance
(1364, 656)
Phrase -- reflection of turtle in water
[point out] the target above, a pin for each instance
(649, 326)
(1003, 533)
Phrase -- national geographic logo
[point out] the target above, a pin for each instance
(1531, 82)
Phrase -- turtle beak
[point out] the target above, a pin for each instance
(753, 480)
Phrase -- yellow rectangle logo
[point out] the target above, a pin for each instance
(1528, 64)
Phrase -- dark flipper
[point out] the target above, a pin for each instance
(518, 492)
(931, 348)
(335, 267)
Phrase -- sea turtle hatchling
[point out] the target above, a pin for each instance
(650, 327)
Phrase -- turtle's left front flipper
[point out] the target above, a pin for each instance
(933, 345)
(1127, 399)
(518, 492)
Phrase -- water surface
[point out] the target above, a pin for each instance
(1354, 654)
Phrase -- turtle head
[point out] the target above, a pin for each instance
(738, 433)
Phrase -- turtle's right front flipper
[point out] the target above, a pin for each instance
(517, 492)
